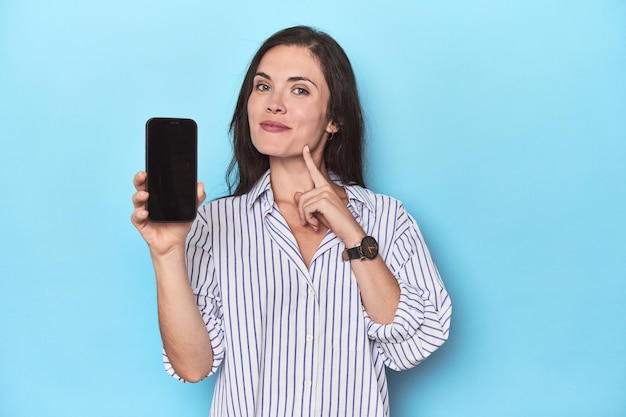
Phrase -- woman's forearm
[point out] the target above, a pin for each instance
(379, 289)
(185, 337)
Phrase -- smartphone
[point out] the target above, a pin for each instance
(171, 165)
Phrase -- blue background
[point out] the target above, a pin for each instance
(501, 125)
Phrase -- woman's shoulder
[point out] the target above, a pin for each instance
(241, 204)
(375, 201)
(227, 202)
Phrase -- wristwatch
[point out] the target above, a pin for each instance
(367, 249)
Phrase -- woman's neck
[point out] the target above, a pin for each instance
(290, 175)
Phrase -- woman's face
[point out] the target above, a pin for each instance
(287, 108)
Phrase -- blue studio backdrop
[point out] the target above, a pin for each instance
(500, 124)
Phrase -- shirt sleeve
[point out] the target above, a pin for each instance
(422, 320)
(204, 285)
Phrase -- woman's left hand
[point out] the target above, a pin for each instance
(323, 205)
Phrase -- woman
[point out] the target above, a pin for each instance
(302, 285)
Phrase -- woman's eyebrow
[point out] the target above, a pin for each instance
(290, 79)
(300, 78)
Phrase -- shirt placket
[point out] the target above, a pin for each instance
(311, 373)
(279, 233)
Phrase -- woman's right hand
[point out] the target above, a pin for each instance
(160, 237)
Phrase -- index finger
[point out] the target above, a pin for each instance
(316, 175)
(139, 181)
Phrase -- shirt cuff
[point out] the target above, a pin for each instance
(406, 322)
(216, 335)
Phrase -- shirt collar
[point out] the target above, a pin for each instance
(262, 191)
(261, 187)
(357, 196)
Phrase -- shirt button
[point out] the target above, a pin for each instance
(309, 338)
(311, 291)
(307, 383)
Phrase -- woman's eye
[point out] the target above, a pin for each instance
(300, 91)
(262, 87)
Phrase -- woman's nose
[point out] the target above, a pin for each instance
(276, 104)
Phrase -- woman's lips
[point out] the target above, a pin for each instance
(273, 127)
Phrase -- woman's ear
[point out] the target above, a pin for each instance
(332, 127)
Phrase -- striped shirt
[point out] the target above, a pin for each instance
(295, 341)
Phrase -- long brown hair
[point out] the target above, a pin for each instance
(343, 155)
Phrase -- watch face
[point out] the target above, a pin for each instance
(369, 247)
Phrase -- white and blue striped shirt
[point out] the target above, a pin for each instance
(296, 341)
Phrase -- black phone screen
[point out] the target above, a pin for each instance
(171, 165)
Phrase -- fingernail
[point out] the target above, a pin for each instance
(306, 149)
